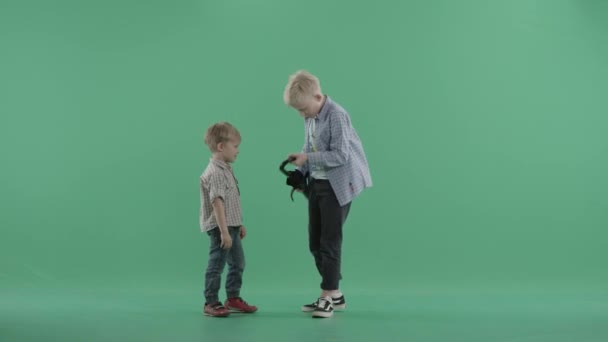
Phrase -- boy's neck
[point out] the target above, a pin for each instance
(321, 105)
(219, 157)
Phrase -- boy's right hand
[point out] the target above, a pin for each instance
(226, 240)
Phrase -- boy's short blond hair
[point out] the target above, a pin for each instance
(301, 85)
(220, 132)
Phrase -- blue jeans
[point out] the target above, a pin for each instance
(218, 258)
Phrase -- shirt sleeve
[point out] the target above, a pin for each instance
(217, 187)
(338, 152)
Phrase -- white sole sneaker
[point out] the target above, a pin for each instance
(322, 314)
(337, 307)
(325, 309)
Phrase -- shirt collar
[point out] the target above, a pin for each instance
(325, 108)
(220, 163)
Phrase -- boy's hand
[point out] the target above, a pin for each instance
(298, 158)
(226, 240)
(243, 232)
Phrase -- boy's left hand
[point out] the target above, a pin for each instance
(243, 232)
(298, 158)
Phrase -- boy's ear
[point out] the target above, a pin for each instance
(318, 97)
(220, 147)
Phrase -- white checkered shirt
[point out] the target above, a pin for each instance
(218, 181)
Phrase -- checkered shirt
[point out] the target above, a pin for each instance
(218, 181)
(339, 152)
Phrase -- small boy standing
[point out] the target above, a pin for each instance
(221, 218)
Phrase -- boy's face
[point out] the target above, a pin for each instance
(310, 107)
(229, 150)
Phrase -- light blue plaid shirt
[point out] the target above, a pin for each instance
(338, 151)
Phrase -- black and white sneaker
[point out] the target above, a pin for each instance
(310, 307)
(325, 308)
(338, 304)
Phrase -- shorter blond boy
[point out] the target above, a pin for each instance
(221, 218)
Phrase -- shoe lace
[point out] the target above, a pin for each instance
(239, 299)
(323, 302)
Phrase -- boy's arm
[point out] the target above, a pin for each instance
(220, 216)
(338, 153)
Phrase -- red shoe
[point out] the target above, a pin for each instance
(216, 310)
(239, 305)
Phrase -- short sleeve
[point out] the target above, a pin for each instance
(217, 187)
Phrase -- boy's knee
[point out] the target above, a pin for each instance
(216, 266)
(214, 270)
(332, 246)
(238, 265)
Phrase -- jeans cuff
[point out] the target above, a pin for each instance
(212, 300)
(233, 294)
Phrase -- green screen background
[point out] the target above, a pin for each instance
(484, 123)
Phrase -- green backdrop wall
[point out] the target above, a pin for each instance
(484, 123)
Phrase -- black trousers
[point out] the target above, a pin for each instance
(325, 220)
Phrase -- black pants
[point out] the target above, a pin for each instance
(325, 220)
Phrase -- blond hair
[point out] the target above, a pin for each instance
(220, 132)
(301, 85)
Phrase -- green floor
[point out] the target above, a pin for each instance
(164, 315)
